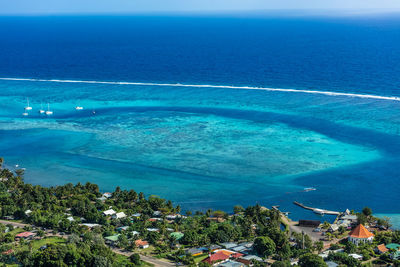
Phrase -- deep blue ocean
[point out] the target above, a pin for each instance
(151, 121)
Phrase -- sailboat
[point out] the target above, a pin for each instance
(78, 107)
(41, 110)
(27, 106)
(49, 112)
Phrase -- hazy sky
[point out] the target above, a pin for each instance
(146, 6)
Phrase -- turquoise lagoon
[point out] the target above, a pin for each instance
(207, 147)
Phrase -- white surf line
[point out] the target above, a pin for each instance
(329, 93)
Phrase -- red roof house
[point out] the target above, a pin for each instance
(25, 235)
(7, 252)
(219, 256)
(141, 243)
(237, 255)
(360, 234)
(382, 249)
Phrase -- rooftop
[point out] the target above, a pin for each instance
(112, 237)
(216, 257)
(24, 234)
(360, 232)
(393, 246)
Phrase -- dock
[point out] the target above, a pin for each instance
(316, 210)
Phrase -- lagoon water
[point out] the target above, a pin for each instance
(208, 146)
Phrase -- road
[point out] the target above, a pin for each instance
(15, 224)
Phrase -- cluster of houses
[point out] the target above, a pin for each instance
(392, 248)
(228, 254)
(231, 254)
(361, 235)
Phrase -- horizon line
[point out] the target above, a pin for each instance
(329, 12)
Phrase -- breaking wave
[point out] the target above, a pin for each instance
(329, 93)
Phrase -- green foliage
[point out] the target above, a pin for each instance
(264, 246)
(203, 264)
(281, 264)
(311, 260)
(367, 211)
(343, 258)
(238, 209)
(319, 246)
(350, 247)
(51, 207)
(135, 259)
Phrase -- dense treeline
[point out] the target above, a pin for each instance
(53, 207)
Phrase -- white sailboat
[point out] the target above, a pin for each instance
(49, 112)
(27, 106)
(78, 107)
(41, 110)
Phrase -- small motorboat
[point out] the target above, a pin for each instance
(308, 189)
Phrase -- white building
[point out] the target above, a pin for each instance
(360, 234)
(119, 215)
(109, 212)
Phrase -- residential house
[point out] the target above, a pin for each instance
(141, 243)
(102, 199)
(28, 213)
(393, 246)
(119, 215)
(229, 245)
(248, 258)
(360, 234)
(122, 228)
(240, 249)
(25, 235)
(109, 212)
(214, 247)
(230, 263)
(8, 252)
(333, 228)
(351, 218)
(380, 249)
(395, 255)
(90, 225)
(107, 195)
(226, 252)
(194, 252)
(112, 240)
(135, 233)
(331, 264)
(356, 256)
(157, 213)
(216, 257)
(177, 235)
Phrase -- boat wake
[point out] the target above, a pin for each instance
(329, 93)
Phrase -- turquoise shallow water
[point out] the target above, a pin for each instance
(208, 147)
